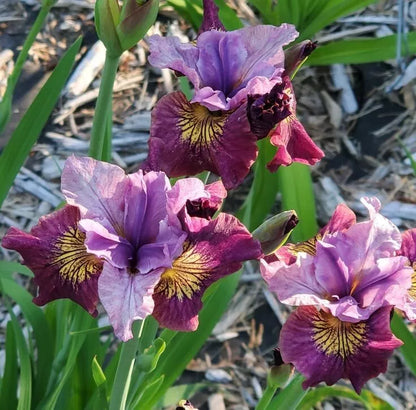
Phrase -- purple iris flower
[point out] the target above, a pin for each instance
(345, 281)
(212, 131)
(134, 243)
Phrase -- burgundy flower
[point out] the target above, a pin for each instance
(211, 131)
(135, 243)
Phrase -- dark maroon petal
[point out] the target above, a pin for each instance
(186, 139)
(323, 348)
(55, 252)
(216, 250)
(294, 145)
(210, 20)
(265, 111)
(207, 207)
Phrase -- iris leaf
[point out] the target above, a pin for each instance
(295, 184)
(359, 51)
(319, 394)
(41, 332)
(409, 347)
(32, 123)
(8, 390)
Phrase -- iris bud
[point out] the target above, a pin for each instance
(274, 232)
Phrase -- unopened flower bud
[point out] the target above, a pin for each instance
(121, 28)
(280, 373)
(136, 18)
(274, 232)
(296, 55)
(107, 17)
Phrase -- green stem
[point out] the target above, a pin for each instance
(124, 369)
(103, 108)
(266, 398)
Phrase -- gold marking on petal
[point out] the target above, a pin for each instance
(75, 264)
(337, 338)
(412, 290)
(201, 126)
(184, 279)
(308, 246)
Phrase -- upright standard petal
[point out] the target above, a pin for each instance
(187, 139)
(55, 252)
(324, 348)
(216, 250)
(221, 64)
(97, 188)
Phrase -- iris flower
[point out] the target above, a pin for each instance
(345, 281)
(241, 92)
(138, 245)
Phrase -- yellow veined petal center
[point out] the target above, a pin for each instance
(185, 277)
(201, 126)
(335, 337)
(74, 263)
(412, 290)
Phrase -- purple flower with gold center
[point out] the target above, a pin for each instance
(345, 282)
(135, 244)
(324, 348)
(212, 131)
(353, 272)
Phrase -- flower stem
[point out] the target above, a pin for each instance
(103, 108)
(124, 369)
(266, 398)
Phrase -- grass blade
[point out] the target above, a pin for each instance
(319, 394)
(41, 332)
(8, 390)
(32, 123)
(359, 51)
(25, 382)
(290, 396)
(263, 190)
(409, 347)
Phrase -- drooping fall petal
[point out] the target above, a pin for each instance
(217, 249)
(55, 252)
(324, 348)
(187, 139)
